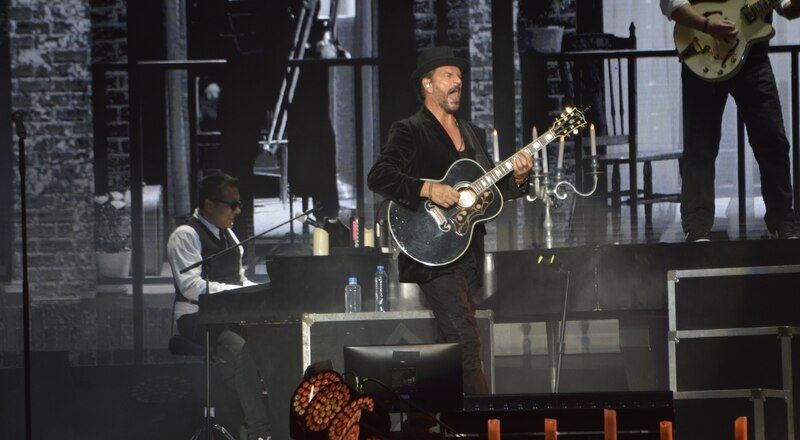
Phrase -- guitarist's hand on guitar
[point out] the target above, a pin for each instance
(722, 29)
(523, 163)
(440, 194)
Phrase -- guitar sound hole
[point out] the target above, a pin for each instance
(468, 198)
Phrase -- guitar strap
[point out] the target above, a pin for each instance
(480, 152)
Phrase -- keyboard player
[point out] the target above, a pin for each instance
(206, 233)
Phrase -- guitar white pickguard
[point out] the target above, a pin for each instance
(720, 59)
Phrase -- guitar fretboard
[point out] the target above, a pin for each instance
(758, 9)
(506, 166)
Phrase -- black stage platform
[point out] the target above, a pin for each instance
(624, 283)
(627, 282)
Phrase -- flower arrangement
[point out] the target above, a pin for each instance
(112, 216)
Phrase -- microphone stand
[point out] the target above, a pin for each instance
(22, 134)
(206, 263)
(236, 245)
(562, 332)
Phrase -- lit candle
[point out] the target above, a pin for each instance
(610, 424)
(740, 428)
(665, 430)
(494, 429)
(550, 429)
(544, 159)
(496, 146)
(593, 140)
(535, 136)
(560, 162)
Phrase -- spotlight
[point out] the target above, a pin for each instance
(324, 406)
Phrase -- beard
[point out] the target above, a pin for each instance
(452, 100)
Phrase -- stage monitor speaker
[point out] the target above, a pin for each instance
(284, 350)
(326, 334)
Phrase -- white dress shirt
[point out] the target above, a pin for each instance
(183, 250)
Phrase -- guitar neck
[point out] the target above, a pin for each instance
(758, 9)
(506, 166)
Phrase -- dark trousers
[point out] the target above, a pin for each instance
(238, 370)
(451, 299)
(756, 96)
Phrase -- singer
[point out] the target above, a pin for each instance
(424, 146)
(206, 233)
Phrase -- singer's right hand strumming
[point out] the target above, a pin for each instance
(440, 194)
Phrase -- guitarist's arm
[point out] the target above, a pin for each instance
(689, 17)
(393, 174)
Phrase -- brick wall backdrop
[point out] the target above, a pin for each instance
(51, 86)
(479, 22)
(110, 45)
(53, 45)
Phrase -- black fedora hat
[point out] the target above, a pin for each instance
(434, 57)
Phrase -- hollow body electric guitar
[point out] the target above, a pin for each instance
(436, 236)
(714, 59)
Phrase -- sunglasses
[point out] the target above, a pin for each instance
(232, 204)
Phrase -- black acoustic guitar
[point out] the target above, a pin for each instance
(436, 236)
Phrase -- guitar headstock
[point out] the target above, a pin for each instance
(569, 122)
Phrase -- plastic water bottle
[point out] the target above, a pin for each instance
(352, 296)
(381, 290)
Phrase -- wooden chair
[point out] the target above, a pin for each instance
(607, 83)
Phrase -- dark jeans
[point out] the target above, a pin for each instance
(756, 96)
(451, 298)
(238, 369)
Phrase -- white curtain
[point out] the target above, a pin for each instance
(658, 84)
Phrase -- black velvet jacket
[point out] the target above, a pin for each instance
(419, 147)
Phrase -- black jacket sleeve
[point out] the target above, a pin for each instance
(394, 174)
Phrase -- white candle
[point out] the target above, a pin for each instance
(592, 140)
(535, 136)
(560, 163)
(496, 146)
(544, 159)
(320, 242)
(369, 237)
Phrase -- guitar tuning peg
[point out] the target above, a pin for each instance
(575, 131)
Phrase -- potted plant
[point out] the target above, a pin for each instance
(112, 234)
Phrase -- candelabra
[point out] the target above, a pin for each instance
(547, 190)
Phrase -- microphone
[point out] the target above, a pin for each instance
(315, 222)
(305, 219)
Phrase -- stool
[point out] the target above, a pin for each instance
(183, 346)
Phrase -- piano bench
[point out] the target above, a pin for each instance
(183, 346)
